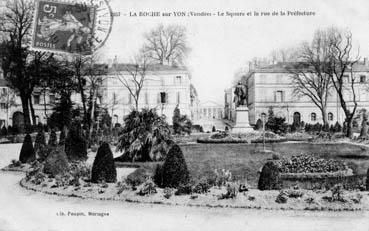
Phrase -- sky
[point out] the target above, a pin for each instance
(221, 45)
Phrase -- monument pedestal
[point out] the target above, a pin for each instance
(242, 120)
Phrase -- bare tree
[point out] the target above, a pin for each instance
(309, 75)
(134, 76)
(94, 75)
(166, 45)
(340, 71)
(15, 24)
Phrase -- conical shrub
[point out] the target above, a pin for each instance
(103, 169)
(174, 170)
(75, 143)
(56, 162)
(27, 153)
(52, 139)
(40, 142)
(269, 177)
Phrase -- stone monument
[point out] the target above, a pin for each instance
(242, 111)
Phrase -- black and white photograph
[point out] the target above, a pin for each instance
(173, 115)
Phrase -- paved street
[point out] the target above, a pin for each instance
(25, 210)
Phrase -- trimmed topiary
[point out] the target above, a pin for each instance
(75, 143)
(269, 177)
(4, 131)
(27, 153)
(52, 139)
(40, 142)
(158, 175)
(56, 162)
(103, 169)
(174, 169)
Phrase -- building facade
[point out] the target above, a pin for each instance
(164, 87)
(272, 86)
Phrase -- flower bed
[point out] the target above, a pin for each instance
(251, 137)
(311, 164)
(252, 199)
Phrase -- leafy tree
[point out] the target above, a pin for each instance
(56, 162)
(75, 142)
(27, 153)
(337, 127)
(40, 142)
(144, 135)
(275, 124)
(181, 123)
(175, 120)
(174, 171)
(103, 169)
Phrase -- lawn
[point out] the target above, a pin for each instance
(244, 160)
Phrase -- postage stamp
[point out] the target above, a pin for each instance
(63, 27)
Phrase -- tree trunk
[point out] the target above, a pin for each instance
(349, 128)
(26, 119)
(83, 99)
(364, 127)
(92, 115)
(45, 109)
(324, 115)
(33, 116)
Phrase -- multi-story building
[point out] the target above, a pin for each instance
(164, 87)
(272, 86)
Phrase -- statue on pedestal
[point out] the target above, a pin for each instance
(242, 112)
(240, 97)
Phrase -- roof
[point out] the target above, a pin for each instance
(283, 67)
(151, 68)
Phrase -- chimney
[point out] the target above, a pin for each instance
(365, 61)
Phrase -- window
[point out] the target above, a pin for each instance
(36, 99)
(179, 79)
(279, 96)
(362, 78)
(178, 98)
(345, 79)
(330, 116)
(146, 98)
(52, 99)
(2, 105)
(163, 97)
(313, 116)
